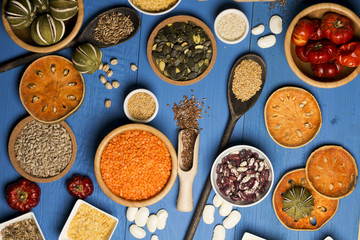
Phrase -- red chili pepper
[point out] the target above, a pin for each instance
(327, 70)
(321, 52)
(80, 187)
(349, 54)
(23, 195)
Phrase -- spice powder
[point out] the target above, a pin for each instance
(141, 106)
(247, 80)
(135, 165)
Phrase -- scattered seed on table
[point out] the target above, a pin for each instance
(114, 61)
(101, 66)
(106, 67)
(115, 84)
(133, 67)
(102, 79)
(107, 103)
(108, 85)
(109, 73)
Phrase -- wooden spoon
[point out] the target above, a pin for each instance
(237, 108)
(85, 36)
(187, 175)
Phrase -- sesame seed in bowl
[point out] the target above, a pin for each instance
(231, 26)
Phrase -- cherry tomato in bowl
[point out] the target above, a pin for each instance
(23, 195)
(349, 54)
(327, 70)
(322, 51)
(302, 32)
(338, 28)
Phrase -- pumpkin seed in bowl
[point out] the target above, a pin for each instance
(182, 51)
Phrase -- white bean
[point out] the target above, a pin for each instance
(217, 200)
(131, 213)
(137, 231)
(152, 223)
(154, 237)
(162, 216)
(275, 24)
(259, 29)
(142, 216)
(231, 220)
(225, 209)
(208, 214)
(219, 233)
(267, 41)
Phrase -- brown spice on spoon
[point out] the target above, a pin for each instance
(188, 141)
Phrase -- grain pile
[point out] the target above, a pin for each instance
(141, 106)
(154, 6)
(247, 80)
(231, 27)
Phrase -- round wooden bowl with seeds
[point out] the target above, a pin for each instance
(332, 172)
(292, 117)
(170, 22)
(22, 36)
(51, 89)
(12, 153)
(323, 210)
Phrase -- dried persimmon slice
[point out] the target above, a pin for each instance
(51, 89)
(292, 117)
(332, 171)
(314, 216)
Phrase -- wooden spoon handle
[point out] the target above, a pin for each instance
(207, 188)
(185, 197)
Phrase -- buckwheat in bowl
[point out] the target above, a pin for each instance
(154, 7)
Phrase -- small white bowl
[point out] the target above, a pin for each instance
(63, 234)
(154, 13)
(139, 91)
(20, 218)
(222, 14)
(237, 149)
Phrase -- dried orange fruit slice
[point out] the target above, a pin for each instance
(322, 211)
(51, 89)
(332, 171)
(292, 117)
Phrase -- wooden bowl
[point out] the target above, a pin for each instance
(22, 36)
(303, 70)
(181, 18)
(16, 164)
(154, 13)
(139, 203)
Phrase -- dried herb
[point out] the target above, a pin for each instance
(23, 230)
(113, 27)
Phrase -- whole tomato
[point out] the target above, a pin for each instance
(339, 29)
(327, 70)
(349, 54)
(301, 53)
(302, 32)
(23, 195)
(80, 187)
(321, 52)
(317, 34)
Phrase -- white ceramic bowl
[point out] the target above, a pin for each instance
(127, 100)
(237, 149)
(154, 13)
(222, 14)
(20, 218)
(63, 234)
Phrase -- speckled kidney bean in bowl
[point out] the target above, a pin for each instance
(242, 175)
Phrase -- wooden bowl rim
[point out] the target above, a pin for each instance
(15, 133)
(296, 229)
(45, 49)
(66, 115)
(307, 169)
(181, 18)
(266, 123)
(167, 187)
(333, 7)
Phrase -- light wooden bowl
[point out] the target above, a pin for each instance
(181, 18)
(16, 164)
(22, 36)
(303, 70)
(167, 187)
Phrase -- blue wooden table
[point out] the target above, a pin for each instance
(340, 111)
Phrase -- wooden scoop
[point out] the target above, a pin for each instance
(237, 108)
(86, 36)
(187, 174)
